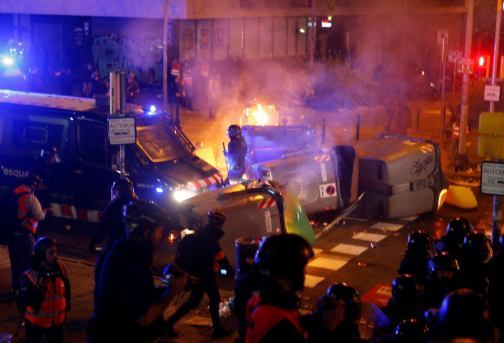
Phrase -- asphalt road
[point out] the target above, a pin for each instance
(363, 252)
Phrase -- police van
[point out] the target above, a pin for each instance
(161, 164)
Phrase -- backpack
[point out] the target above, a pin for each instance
(188, 255)
(9, 220)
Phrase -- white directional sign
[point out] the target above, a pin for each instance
(454, 55)
(492, 178)
(122, 131)
(442, 34)
(492, 93)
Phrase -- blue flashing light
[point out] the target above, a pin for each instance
(152, 110)
(159, 190)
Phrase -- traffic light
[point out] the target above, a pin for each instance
(483, 66)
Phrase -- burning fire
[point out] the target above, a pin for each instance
(256, 115)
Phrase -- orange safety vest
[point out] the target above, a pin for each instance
(187, 78)
(456, 130)
(175, 70)
(53, 307)
(29, 222)
(205, 69)
(262, 318)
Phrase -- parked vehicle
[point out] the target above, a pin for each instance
(161, 164)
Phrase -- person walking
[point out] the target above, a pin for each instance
(204, 258)
(127, 305)
(45, 294)
(30, 212)
(214, 96)
(132, 88)
(111, 224)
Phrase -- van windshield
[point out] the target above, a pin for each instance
(158, 145)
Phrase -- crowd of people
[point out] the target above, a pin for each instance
(446, 289)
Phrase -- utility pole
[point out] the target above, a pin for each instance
(165, 57)
(497, 203)
(464, 113)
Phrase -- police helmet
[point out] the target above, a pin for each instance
(477, 247)
(216, 217)
(233, 131)
(465, 313)
(124, 187)
(411, 330)
(41, 245)
(405, 287)
(284, 255)
(459, 227)
(32, 180)
(345, 292)
(443, 261)
(49, 152)
(142, 215)
(419, 241)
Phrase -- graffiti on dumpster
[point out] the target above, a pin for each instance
(419, 167)
(136, 55)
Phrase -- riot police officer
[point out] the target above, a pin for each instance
(45, 166)
(495, 286)
(477, 253)
(457, 229)
(202, 260)
(465, 314)
(444, 273)
(235, 156)
(417, 256)
(411, 331)
(273, 315)
(336, 317)
(111, 223)
(406, 301)
(128, 307)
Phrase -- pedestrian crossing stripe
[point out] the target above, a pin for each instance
(409, 219)
(328, 262)
(349, 249)
(370, 237)
(312, 280)
(387, 226)
(317, 251)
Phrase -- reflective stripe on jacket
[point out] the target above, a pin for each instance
(263, 318)
(30, 222)
(53, 307)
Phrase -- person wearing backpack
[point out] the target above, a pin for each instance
(201, 255)
(45, 294)
(29, 213)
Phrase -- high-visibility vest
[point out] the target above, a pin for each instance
(186, 78)
(456, 130)
(205, 69)
(29, 222)
(53, 307)
(263, 318)
(175, 70)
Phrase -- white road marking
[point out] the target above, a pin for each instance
(312, 280)
(409, 219)
(370, 237)
(387, 226)
(317, 251)
(328, 262)
(349, 249)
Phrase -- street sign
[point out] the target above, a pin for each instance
(492, 93)
(441, 33)
(465, 65)
(121, 131)
(454, 55)
(492, 178)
